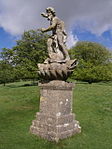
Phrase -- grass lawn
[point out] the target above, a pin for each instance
(92, 104)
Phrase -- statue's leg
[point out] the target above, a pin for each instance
(49, 46)
(63, 47)
(55, 43)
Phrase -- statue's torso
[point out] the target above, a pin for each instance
(59, 28)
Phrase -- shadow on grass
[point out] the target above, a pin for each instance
(23, 85)
(83, 82)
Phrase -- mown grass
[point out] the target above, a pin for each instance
(92, 105)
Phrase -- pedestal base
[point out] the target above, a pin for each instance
(55, 120)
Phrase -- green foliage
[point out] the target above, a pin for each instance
(92, 105)
(7, 55)
(30, 50)
(90, 52)
(32, 47)
(6, 72)
(94, 62)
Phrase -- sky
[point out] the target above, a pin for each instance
(85, 20)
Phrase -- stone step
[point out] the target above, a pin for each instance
(54, 136)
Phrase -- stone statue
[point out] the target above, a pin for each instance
(58, 65)
(55, 119)
(57, 49)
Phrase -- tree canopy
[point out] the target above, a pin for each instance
(94, 62)
(29, 50)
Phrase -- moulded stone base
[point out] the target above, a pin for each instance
(63, 127)
(55, 120)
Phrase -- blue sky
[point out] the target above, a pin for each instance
(8, 41)
(84, 35)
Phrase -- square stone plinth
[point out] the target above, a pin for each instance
(55, 120)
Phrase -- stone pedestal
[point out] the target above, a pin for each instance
(55, 120)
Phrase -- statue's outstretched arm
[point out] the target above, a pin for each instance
(44, 15)
(51, 27)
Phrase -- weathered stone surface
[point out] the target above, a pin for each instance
(55, 120)
(57, 70)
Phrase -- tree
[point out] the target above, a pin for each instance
(94, 62)
(6, 73)
(30, 50)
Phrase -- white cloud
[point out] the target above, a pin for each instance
(19, 15)
(71, 41)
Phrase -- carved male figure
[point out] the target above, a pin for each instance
(58, 38)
